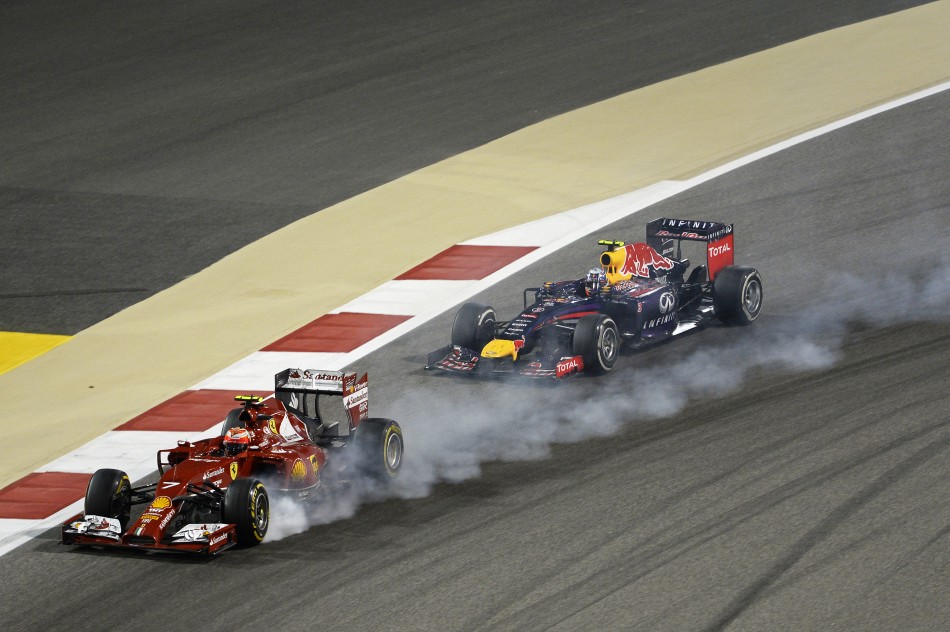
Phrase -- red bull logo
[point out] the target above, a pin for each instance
(640, 258)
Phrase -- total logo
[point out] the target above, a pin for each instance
(571, 365)
(715, 251)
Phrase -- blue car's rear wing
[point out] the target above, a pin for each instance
(720, 250)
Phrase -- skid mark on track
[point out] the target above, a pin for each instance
(823, 529)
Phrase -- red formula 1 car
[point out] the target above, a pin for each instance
(215, 493)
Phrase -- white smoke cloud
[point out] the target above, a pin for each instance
(448, 439)
(290, 517)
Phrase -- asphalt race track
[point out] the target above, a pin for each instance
(817, 477)
(141, 145)
(788, 475)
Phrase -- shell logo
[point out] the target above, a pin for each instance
(161, 502)
(299, 471)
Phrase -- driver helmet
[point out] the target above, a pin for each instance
(236, 440)
(596, 279)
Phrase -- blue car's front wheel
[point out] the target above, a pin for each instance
(474, 326)
(597, 341)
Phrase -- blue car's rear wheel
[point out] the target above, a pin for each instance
(737, 295)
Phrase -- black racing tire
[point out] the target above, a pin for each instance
(380, 448)
(246, 505)
(474, 326)
(597, 341)
(233, 420)
(737, 295)
(109, 494)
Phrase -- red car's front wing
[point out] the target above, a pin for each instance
(219, 540)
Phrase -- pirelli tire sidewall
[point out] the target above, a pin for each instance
(597, 341)
(738, 295)
(380, 448)
(247, 505)
(109, 494)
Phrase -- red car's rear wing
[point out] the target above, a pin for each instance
(312, 381)
(662, 232)
(306, 384)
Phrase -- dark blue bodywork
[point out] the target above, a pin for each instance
(645, 310)
(643, 295)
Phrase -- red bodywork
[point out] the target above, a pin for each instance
(720, 254)
(281, 453)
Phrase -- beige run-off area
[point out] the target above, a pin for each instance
(154, 350)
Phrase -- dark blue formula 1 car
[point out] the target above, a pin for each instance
(640, 294)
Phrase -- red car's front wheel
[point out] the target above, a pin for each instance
(247, 506)
(109, 494)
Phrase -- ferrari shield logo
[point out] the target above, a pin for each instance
(234, 470)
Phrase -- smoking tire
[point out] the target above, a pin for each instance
(380, 448)
(474, 326)
(737, 295)
(597, 341)
(109, 494)
(246, 505)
